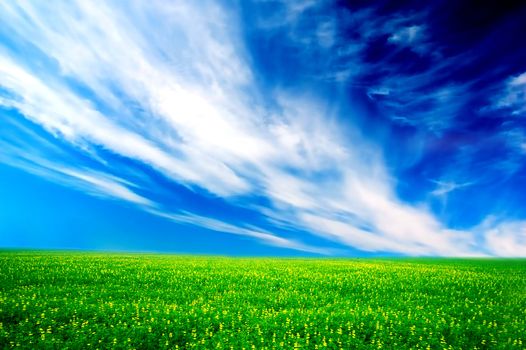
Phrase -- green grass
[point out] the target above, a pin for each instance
(90, 300)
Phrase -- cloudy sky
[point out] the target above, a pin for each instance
(264, 127)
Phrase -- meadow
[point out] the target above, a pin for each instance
(74, 300)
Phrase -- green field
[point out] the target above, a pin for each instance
(93, 300)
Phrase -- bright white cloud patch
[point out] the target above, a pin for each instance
(507, 238)
(202, 123)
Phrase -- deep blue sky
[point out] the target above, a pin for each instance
(264, 127)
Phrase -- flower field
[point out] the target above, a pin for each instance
(59, 300)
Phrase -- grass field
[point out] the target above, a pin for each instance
(91, 300)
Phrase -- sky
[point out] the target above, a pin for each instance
(276, 128)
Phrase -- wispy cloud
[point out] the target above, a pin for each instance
(411, 36)
(513, 97)
(445, 187)
(106, 186)
(259, 234)
(505, 238)
(39, 162)
(171, 86)
(390, 56)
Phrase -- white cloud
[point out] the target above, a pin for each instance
(410, 36)
(61, 112)
(514, 95)
(378, 91)
(519, 80)
(204, 125)
(220, 226)
(506, 239)
(107, 186)
(86, 180)
(407, 35)
(445, 187)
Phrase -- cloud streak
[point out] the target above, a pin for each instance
(172, 86)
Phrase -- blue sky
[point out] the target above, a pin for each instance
(264, 127)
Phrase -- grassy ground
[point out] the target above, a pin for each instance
(90, 300)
